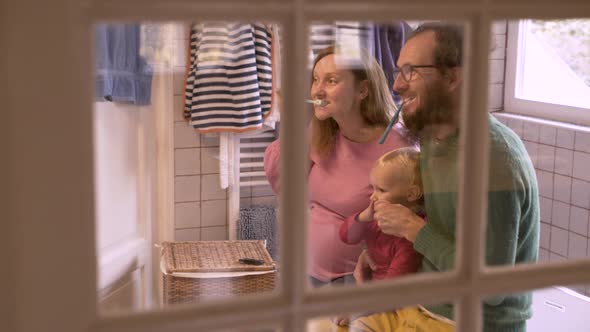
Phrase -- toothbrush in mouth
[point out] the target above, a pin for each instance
(317, 102)
(392, 122)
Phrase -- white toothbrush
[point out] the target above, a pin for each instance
(317, 102)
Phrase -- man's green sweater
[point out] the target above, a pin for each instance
(512, 232)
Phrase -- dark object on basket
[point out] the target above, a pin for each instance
(208, 257)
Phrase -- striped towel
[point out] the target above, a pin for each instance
(229, 79)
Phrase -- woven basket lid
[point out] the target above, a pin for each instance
(215, 256)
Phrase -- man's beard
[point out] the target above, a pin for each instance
(436, 109)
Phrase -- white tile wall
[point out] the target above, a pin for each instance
(577, 246)
(217, 233)
(214, 213)
(559, 241)
(582, 165)
(210, 160)
(562, 188)
(561, 214)
(546, 157)
(187, 188)
(191, 234)
(562, 154)
(582, 141)
(565, 138)
(578, 220)
(547, 135)
(185, 136)
(211, 187)
(187, 161)
(187, 215)
(581, 193)
(564, 161)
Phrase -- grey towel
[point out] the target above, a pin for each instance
(258, 222)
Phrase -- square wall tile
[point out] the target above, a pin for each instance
(559, 241)
(495, 96)
(565, 138)
(187, 188)
(546, 157)
(211, 188)
(578, 245)
(499, 27)
(545, 180)
(185, 136)
(245, 202)
(543, 256)
(579, 220)
(210, 139)
(545, 236)
(555, 258)
(187, 161)
(546, 207)
(564, 161)
(187, 215)
(189, 234)
(581, 193)
(531, 131)
(210, 160)
(582, 165)
(561, 214)
(562, 188)
(214, 213)
(517, 125)
(531, 148)
(582, 141)
(217, 233)
(547, 134)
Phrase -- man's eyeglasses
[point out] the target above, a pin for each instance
(407, 70)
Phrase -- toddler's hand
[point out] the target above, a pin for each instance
(368, 213)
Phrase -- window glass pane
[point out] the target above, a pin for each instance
(183, 113)
(391, 203)
(556, 308)
(411, 318)
(554, 61)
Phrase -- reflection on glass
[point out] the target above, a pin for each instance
(388, 182)
(555, 308)
(547, 167)
(416, 318)
(209, 79)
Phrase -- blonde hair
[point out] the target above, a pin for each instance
(408, 160)
(375, 107)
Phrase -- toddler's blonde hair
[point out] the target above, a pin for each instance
(408, 160)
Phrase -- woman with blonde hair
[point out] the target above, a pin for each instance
(346, 126)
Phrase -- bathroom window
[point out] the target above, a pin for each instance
(548, 69)
(51, 214)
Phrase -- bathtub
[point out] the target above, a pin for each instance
(559, 309)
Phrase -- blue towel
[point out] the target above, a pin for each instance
(122, 75)
(259, 223)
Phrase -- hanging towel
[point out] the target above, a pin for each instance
(229, 79)
(258, 222)
(389, 39)
(122, 75)
(343, 34)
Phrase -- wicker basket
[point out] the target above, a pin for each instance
(209, 258)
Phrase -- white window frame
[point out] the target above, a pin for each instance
(62, 246)
(516, 39)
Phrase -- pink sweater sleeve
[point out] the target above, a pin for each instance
(272, 157)
(352, 231)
